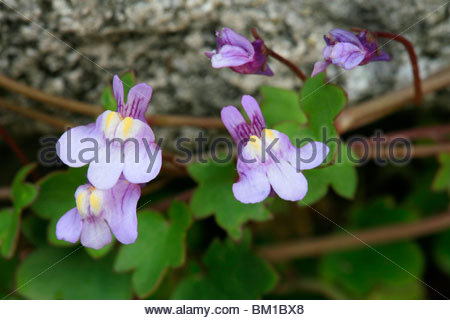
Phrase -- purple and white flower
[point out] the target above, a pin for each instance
(238, 53)
(118, 142)
(267, 160)
(347, 50)
(97, 211)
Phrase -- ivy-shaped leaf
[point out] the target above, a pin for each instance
(321, 103)
(57, 197)
(442, 178)
(70, 274)
(281, 105)
(22, 195)
(214, 195)
(107, 98)
(366, 273)
(160, 245)
(234, 272)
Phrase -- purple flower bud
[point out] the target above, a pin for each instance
(267, 160)
(348, 50)
(238, 53)
(97, 211)
(118, 142)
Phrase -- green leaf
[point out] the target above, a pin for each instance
(442, 179)
(321, 102)
(411, 291)
(128, 81)
(107, 98)
(281, 105)
(23, 193)
(160, 245)
(7, 274)
(34, 230)
(368, 271)
(58, 273)
(363, 270)
(381, 212)
(441, 251)
(57, 194)
(234, 272)
(9, 231)
(214, 195)
(56, 197)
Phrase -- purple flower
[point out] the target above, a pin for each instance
(348, 50)
(97, 211)
(267, 160)
(239, 54)
(118, 142)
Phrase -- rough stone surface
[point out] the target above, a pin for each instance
(73, 48)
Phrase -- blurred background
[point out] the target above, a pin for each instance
(73, 48)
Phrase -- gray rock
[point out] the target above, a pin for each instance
(73, 48)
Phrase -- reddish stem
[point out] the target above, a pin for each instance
(283, 60)
(13, 145)
(412, 56)
(16, 149)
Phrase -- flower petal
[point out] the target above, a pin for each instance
(229, 36)
(319, 67)
(229, 56)
(382, 57)
(142, 162)
(118, 91)
(252, 187)
(345, 36)
(347, 55)
(105, 173)
(286, 181)
(311, 155)
(265, 71)
(72, 151)
(122, 217)
(95, 233)
(235, 124)
(254, 113)
(69, 226)
(143, 157)
(137, 101)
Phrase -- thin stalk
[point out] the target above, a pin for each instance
(412, 57)
(299, 73)
(331, 243)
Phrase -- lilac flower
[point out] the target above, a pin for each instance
(97, 211)
(239, 54)
(267, 160)
(118, 142)
(348, 50)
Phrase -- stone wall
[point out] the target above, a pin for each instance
(73, 48)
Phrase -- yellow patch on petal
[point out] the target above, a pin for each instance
(269, 134)
(127, 124)
(80, 200)
(109, 119)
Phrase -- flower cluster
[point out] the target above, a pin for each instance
(347, 50)
(121, 152)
